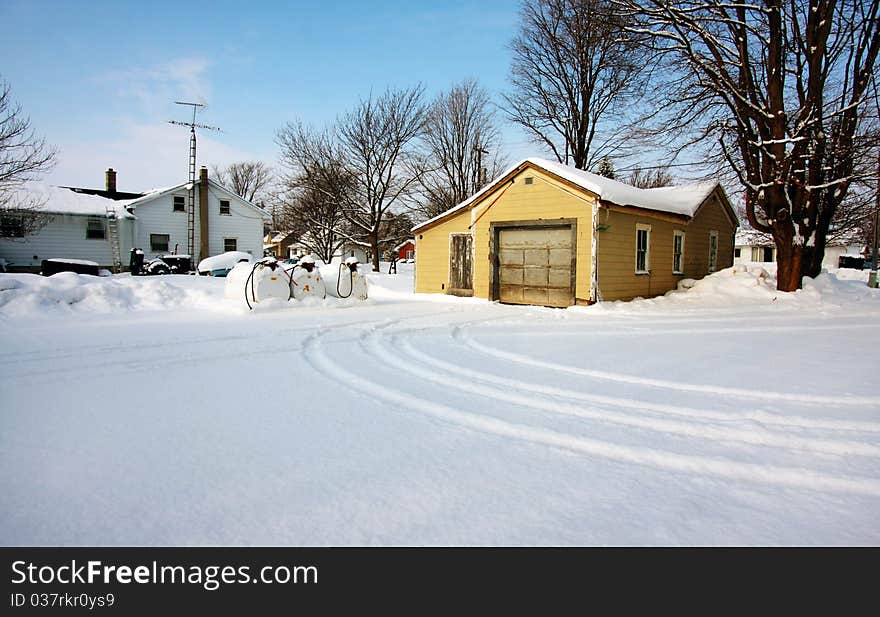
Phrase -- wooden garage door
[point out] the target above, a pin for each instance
(536, 266)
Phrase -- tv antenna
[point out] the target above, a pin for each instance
(191, 209)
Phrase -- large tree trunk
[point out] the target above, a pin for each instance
(374, 247)
(789, 263)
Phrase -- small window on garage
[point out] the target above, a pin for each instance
(643, 244)
(677, 252)
(95, 229)
(159, 242)
(179, 203)
(529, 180)
(224, 207)
(230, 244)
(737, 252)
(713, 250)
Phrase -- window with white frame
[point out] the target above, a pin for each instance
(95, 228)
(713, 250)
(159, 242)
(410, 253)
(677, 252)
(224, 206)
(643, 243)
(179, 203)
(230, 244)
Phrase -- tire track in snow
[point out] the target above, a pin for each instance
(748, 472)
(136, 364)
(811, 399)
(678, 331)
(372, 344)
(405, 346)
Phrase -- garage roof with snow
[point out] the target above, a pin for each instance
(682, 200)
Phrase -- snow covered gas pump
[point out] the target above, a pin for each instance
(259, 281)
(306, 280)
(346, 281)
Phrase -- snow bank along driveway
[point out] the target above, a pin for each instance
(153, 411)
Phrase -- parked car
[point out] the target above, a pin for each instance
(852, 261)
(220, 265)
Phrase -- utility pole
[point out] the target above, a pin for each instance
(480, 176)
(872, 278)
(191, 207)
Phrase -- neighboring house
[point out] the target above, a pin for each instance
(348, 249)
(278, 243)
(753, 246)
(756, 247)
(155, 221)
(549, 234)
(406, 250)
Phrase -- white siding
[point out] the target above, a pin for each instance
(244, 223)
(157, 216)
(64, 237)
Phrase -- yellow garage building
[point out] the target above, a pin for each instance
(548, 234)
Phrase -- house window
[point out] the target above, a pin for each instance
(179, 203)
(677, 252)
(12, 226)
(737, 253)
(762, 253)
(643, 258)
(95, 229)
(224, 207)
(529, 180)
(159, 242)
(410, 254)
(230, 244)
(713, 250)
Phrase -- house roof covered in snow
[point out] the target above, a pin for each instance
(66, 200)
(682, 200)
(404, 243)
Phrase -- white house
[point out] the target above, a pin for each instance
(348, 249)
(753, 246)
(155, 221)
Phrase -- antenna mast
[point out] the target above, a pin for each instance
(191, 209)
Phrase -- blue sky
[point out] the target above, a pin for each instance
(99, 78)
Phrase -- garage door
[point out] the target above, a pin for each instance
(536, 266)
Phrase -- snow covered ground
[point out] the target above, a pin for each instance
(152, 411)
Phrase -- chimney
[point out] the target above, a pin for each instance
(110, 180)
(203, 213)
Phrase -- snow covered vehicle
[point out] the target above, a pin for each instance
(222, 264)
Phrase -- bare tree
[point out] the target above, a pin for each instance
(249, 180)
(317, 189)
(650, 178)
(462, 148)
(573, 78)
(24, 156)
(780, 88)
(395, 229)
(376, 139)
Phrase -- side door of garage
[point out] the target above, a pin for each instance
(461, 265)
